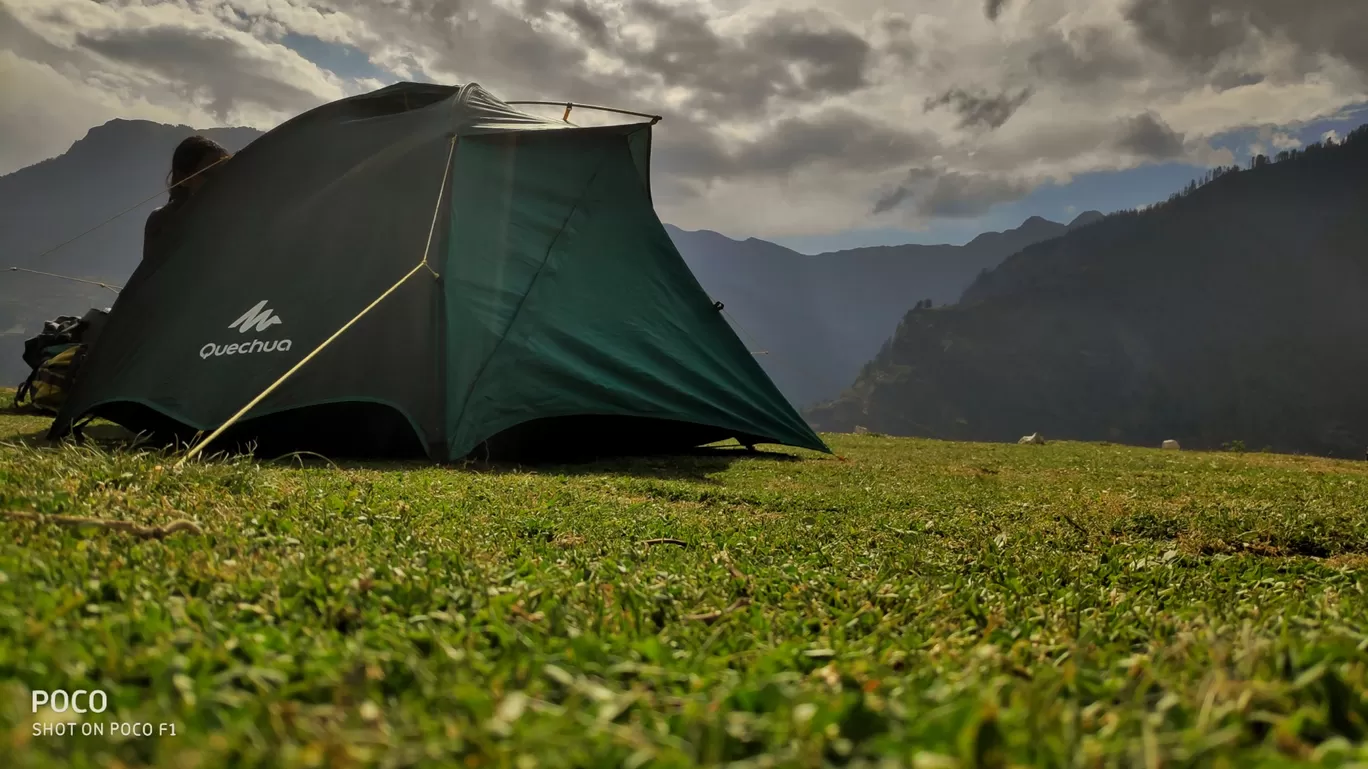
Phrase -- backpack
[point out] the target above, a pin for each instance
(56, 355)
(46, 389)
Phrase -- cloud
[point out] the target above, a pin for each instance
(223, 67)
(951, 194)
(980, 109)
(1283, 141)
(834, 136)
(786, 56)
(1085, 55)
(1148, 136)
(1200, 33)
(51, 95)
(782, 117)
(38, 107)
(1189, 30)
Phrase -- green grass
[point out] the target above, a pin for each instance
(912, 604)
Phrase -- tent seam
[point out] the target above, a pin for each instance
(517, 312)
(430, 442)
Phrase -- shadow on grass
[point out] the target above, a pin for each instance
(109, 437)
(696, 465)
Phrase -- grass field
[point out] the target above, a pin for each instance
(912, 603)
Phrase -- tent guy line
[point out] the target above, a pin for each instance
(441, 193)
(115, 289)
(124, 212)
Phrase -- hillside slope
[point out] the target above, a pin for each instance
(1235, 311)
(820, 318)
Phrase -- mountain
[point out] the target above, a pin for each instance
(818, 319)
(1236, 311)
(113, 167)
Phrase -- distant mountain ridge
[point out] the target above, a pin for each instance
(1235, 312)
(108, 170)
(817, 318)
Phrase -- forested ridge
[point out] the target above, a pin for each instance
(1236, 311)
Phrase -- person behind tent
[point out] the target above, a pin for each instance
(57, 353)
(192, 158)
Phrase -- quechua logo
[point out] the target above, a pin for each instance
(260, 317)
(257, 319)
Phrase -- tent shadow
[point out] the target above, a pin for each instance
(107, 437)
(34, 440)
(698, 465)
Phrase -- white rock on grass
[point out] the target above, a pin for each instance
(1171, 445)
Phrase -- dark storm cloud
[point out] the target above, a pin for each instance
(993, 8)
(951, 194)
(1148, 136)
(1199, 32)
(218, 64)
(980, 109)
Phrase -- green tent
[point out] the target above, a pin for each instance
(553, 315)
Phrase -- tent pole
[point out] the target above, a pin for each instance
(567, 105)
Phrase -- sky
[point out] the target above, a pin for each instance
(818, 125)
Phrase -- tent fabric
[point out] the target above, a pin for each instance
(556, 303)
